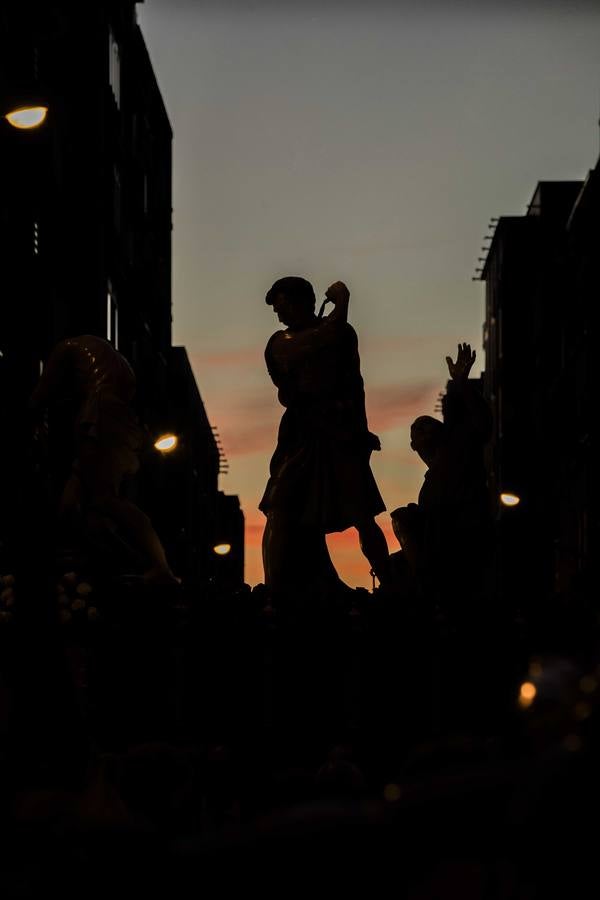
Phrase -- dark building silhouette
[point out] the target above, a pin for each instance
(228, 548)
(87, 208)
(85, 232)
(542, 279)
(184, 483)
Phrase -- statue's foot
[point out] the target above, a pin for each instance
(160, 577)
(386, 588)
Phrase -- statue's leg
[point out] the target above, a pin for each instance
(317, 559)
(277, 547)
(267, 540)
(374, 546)
(296, 555)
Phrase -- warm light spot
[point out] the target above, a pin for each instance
(527, 694)
(392, 793)
(582, 711)
(509, 500)
(222, 549)
(27, 117)
(588, 684)
(535, 668)
(166, 443)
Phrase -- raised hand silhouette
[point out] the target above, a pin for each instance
(459, 370)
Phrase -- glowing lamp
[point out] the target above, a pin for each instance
(27, 116)
(222, 549)
(527, 694)
(166, 443)
(509, 500)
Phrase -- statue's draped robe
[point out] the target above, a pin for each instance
(320, 472)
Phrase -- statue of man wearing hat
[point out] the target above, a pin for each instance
(320, 475)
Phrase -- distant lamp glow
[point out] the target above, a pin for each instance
(392, 793)
(222, 549)
(166, 443)
(527, 694)
(535, 668)
(509, 500)
(27, 116)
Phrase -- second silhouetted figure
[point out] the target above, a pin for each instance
(454, 506)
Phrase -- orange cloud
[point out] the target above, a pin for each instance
(250, 425)
(404, 342)
(254, 531)
(253, 355)
(389, 405)
(244, 439)
(234, 356)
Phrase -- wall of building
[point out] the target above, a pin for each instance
(538, 298)
(85, 232)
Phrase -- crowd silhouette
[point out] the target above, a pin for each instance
(159, 713)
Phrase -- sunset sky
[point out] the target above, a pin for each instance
(361, 142)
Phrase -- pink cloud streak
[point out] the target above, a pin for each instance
(253, 354)
(389, 405)
(234, 356)
(251, 426)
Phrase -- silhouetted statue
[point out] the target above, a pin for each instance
(453, 501)
(320, 478)
(90, 372)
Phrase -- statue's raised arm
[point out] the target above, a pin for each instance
(306, 335)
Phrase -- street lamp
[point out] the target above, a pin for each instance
(509, 499)
(166, 442)
(222, 549)
(27, 117)
(527, 694)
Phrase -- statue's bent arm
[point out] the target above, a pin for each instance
(289, 347)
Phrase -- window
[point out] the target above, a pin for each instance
(109, 306)
(112, 317)
(114, 67)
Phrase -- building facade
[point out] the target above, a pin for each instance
(541, 276)
(85, 232)
(87, 195)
